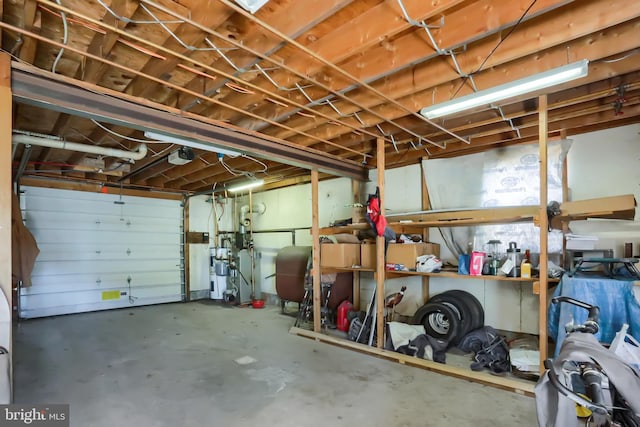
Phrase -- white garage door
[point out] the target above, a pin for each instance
(100, 251)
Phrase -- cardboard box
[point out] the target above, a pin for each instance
(406, 253)
(368, 256)
(339, 254)
(358, 214)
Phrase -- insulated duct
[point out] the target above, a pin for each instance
(138, 154)
(256, 208)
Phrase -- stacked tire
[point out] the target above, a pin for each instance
(450, 316)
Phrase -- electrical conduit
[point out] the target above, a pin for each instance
(138, 154)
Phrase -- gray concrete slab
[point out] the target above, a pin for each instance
(175, 365)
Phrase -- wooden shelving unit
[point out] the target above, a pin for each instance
(619, 207)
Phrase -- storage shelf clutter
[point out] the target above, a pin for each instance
(358, 258)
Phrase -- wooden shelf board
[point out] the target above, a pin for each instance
(506, 383)
(453, 275)
(329, 270)
(616, 207)
(481, 215)
(344, 229)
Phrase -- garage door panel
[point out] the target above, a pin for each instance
(59, 303)
(91, 246)
(102, 251)
(73, 236)
(52, 268)
(106, 281)
(44, 200)
(87, 221)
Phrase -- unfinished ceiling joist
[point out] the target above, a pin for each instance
(33, 87)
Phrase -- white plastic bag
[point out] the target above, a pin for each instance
(626, 347)
(428, 263)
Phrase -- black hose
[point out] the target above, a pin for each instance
(593, 384)
(598, 409)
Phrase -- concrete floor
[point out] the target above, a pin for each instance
(175, 365)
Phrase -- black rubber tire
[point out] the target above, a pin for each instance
(468, 306)
(442, 322)
(460, 306)
(477, 312)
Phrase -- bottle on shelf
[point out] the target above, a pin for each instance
(525, 267)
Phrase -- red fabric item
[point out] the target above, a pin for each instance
(373, 209)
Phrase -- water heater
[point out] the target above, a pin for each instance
(218, 272)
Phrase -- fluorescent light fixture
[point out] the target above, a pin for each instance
(509, 90)
(190, 143)
(246, 186)
(252, 5)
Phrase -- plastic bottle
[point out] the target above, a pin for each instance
(525, 267)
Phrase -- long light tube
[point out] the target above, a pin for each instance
(246, 186)
(190, 143)
(252, 5)
(533, 83)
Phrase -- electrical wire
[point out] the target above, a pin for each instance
(482, 64)
(132, 21)
(622, 58)
(238, 172)
(65, 38)
(229, 169)
(222, 213)
(112, 132)
(257, 161)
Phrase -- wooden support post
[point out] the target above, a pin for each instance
(565, 198)
(426, 204)
(544, 226)
(380, 258)
(315, 236)
(5, 206)
(355, 192)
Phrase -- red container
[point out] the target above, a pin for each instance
(343, 321)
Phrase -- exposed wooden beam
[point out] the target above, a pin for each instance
(461, 27)
(436, 81)
(6, 193)
(102, 44)
(315, 237)
(29, 45)
(308, 15)
(543, 226)
(210, 15)
(368, 28)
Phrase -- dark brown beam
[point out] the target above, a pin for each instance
(35, 87)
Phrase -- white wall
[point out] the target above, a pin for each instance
(607, 163)
(290, 208)
(286, 209)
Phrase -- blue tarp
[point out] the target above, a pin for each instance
(615, 298)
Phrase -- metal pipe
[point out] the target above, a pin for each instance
(143, 168)
(251, 248)
(23, 162)
(138, 154)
